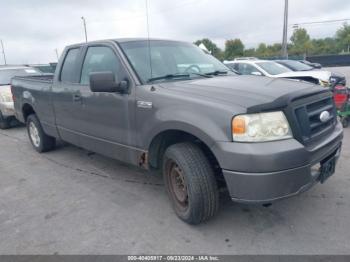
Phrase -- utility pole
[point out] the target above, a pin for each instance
(56, 51)
(3, 51)
(84, 23)
(285, 30)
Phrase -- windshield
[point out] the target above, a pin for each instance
(7, 74)
(296, 65)
(170, 58)
(273, 68)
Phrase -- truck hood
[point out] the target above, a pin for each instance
(245, 91)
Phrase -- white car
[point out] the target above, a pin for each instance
(7, 113)
(276, 70)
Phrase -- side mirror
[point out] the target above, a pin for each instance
(106, 82)
(256, 73)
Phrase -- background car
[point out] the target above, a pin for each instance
(276, 70)
(45, 68)
(334, 79)
(6, 101)
(314, 65)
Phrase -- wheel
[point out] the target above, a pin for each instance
(4, 123)
(345, 121)
(40, 141)
(190, 182)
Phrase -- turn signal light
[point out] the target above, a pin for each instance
(238, 125)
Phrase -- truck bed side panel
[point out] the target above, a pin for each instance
(35, 93)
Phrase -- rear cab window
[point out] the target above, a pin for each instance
(68, 71)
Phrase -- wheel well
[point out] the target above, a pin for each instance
(170, 137)
(27, 110)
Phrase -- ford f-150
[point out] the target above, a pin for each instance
(167, 105)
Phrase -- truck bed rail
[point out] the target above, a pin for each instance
(41, 78)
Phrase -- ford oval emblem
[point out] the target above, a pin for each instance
(324, 116)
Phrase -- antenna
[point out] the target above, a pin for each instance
(148, 40)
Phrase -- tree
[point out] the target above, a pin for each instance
(275, 49)
(250, 52)
(261, 51)
(301, 43)
(324, 46)
(211, 46)
(343, 37)
(233, 48)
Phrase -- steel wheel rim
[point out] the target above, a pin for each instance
(177, 185)
(34, 134)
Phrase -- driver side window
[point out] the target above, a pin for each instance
(99, 59)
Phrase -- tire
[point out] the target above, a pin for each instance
(190, 182)
(345, 121)
(4, 122)
(40, 141)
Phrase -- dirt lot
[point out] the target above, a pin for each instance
(70, 201)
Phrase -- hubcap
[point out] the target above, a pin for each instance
(177, 185)
(34, 134)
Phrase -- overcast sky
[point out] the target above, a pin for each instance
(32, 30)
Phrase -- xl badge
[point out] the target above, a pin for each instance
(324, 116)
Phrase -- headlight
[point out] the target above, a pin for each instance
(260, 127)
(324, 83)
(333, 79)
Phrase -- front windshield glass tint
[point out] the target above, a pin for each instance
(169, 58)
(273, 68)
(297, 66)
(7, 74)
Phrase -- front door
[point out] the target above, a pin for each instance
(101, 121)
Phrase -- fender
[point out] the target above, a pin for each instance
(189, 122)
(28, 98)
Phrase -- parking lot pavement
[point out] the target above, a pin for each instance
(345, 70)
(70, 201)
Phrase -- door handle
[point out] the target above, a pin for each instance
(76, 98)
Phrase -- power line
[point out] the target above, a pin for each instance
(321, 22)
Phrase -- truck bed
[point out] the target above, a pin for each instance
(36, 91)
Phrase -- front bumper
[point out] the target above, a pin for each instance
(265, 172)
(7, 109)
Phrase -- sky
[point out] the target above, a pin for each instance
(32, 30)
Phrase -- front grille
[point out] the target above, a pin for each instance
(307, 114)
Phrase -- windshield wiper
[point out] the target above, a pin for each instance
(199, 74)
(217, 72)
(172, 76)
(169, 76)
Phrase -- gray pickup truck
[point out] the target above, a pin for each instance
(167, 105)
